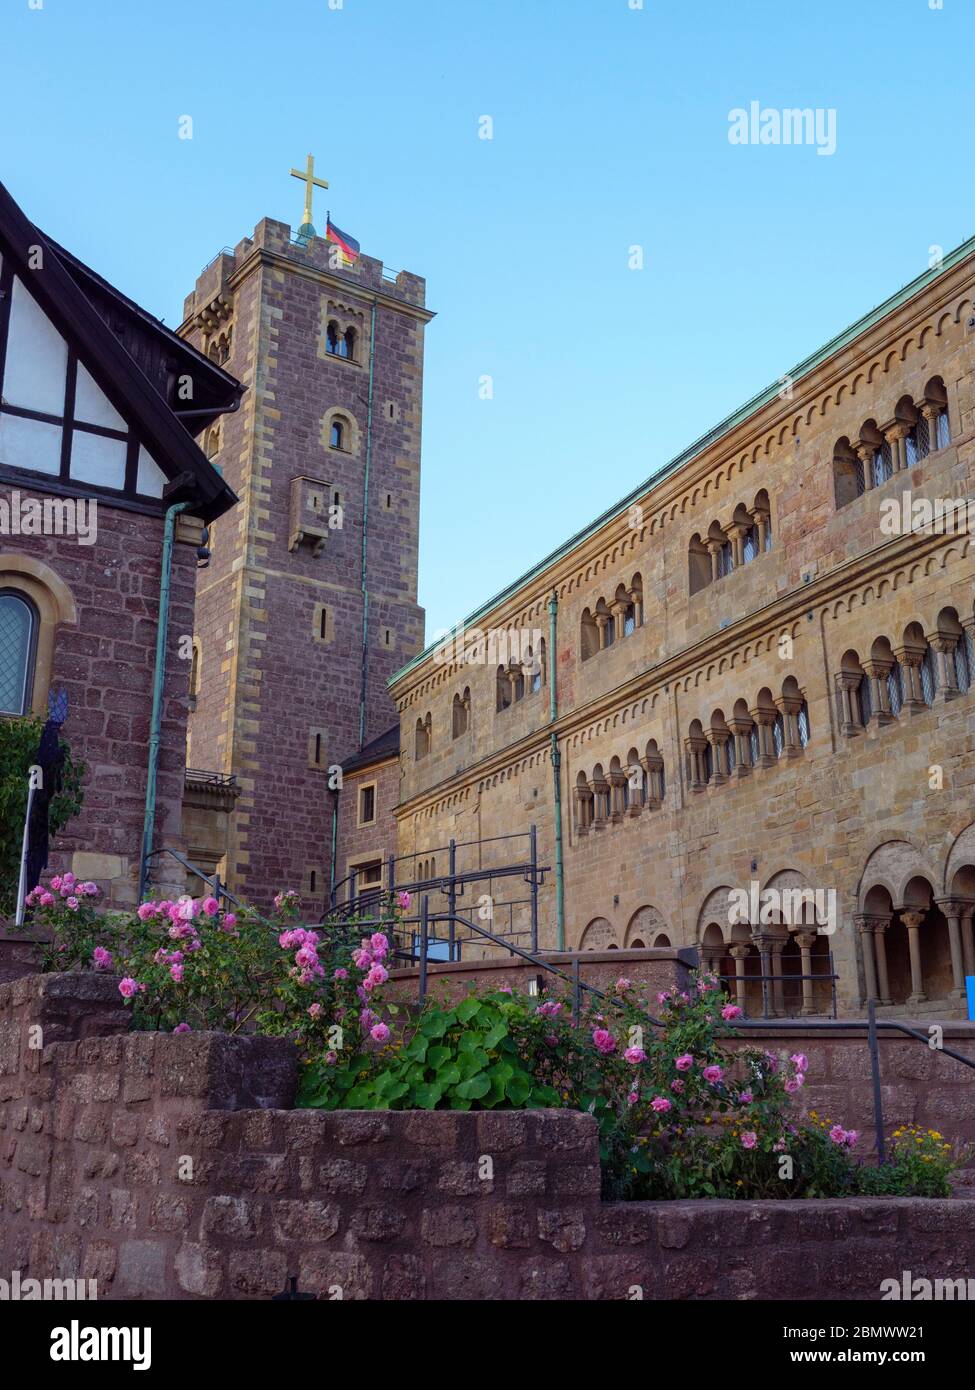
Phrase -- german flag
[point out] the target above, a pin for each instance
(349, 245)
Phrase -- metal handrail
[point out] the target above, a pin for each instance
(872, 1024)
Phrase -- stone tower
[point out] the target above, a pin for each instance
(309, 603)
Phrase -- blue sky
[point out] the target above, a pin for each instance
(610, 130)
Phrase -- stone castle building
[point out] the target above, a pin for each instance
(747, 683)
(310, 601)
(750, 675)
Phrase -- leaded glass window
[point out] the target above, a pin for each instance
(18, 638)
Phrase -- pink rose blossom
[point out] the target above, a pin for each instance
(792, 1086)
(379, 1033)
(713, 1074)
(90, 890)
(145, 911)
(377, 976)
(604, 1040)
(685, 1062)
(799, 1060)
(749, 1139)
(73, 903)
(661, 1104)
(176, 972)
(68, 879)
(635, 1055)
(229, 921)
(331, 1058)
(632, 1098)
(403, 899)
(677, 1086)
(102, 958)
(315, 1010)
(47, 899)
(340, 974)
(127, 987)
(211, 907)
(379, 944)
(56, 882)
(730, 1011)
(622, 984)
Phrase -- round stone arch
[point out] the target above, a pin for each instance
(644, 926)
(893, 865)
(715, 911)
(599, 935)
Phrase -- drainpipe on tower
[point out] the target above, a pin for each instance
(553, 706)
(158, 683)
(365, 528)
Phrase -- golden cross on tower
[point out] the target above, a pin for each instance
(308, 178)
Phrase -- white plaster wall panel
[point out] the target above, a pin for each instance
(30, 444)
(37, 357)
(96, 459)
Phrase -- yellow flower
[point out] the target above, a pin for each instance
(934, 1134)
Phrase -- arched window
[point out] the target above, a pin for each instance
(332, 339)
(337, 436)
(895, 688)
(423, 727)
(18, 644)
(348, 344)
(503, 689)
(535, 666)
(588, 635)
(864, 704)
(461, 713)
(698, 565)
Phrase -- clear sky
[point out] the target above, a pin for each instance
(611, 129)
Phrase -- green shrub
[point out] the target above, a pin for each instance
(19, 739)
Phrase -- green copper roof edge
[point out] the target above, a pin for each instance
(803, 368)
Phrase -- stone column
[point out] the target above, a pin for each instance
(880, 925)
(895, 435)
(736, 534)
(912, 921)
(602, 622)
(877, 672)
(636, 598)
(717, 741)
(806, 940)
(617, 782)
(741, 728)
(968, 939)
(739, 955)
(776, 947)
(867, 453)
(764, 719)
(944, 644)
(952, 910)
(583, 801)
(849, 718)
(653, 767)
(930, 413)
(762, 942)
(618, 611)
(789, 707)
(910, 659)
(761, 520)
(864, 926)
(696, 745)
(599, 790)
(714, 550)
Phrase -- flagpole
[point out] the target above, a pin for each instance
(22, 880)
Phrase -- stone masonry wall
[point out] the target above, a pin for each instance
(173, 1167)
(105, 661)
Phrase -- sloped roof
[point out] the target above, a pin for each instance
(379, 750)
(192, 478)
